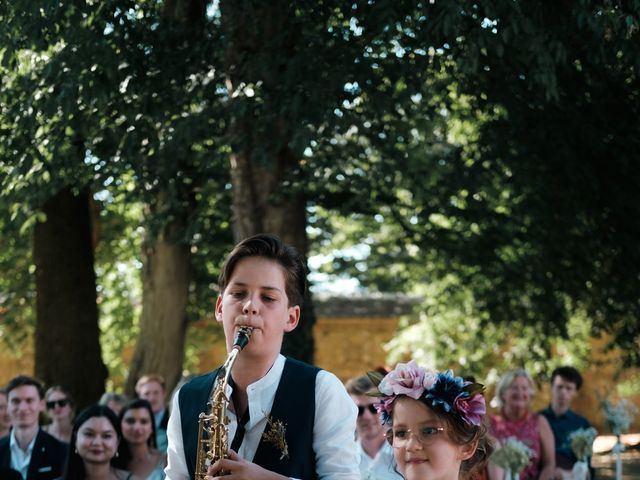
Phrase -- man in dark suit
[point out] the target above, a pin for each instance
(29, 450)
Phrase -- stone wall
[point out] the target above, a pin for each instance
(350, 335)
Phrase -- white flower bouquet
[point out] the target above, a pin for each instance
(512, 455)
(581, 442)
(619, 416)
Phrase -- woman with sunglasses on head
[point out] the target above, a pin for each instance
(437, 430)
(140, 454)
(95, 444)
(60, 410)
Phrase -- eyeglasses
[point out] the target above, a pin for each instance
(63, 402)
(371, 408)
(400, 438)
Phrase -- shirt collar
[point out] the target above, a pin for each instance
(566, 414)
(262, 392)
(13, 443)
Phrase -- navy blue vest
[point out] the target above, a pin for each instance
(294, 404)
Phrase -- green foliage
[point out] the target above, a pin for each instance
(479, 153)
(521, 185)
(17, 299)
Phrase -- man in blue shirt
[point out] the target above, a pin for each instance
(565, 383)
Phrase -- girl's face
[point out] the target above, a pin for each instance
(136, 425)
(97, 440)
(420, 449)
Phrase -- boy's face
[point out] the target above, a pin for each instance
(256, 297)
(153, 393)
(25, 406)
(562, 393)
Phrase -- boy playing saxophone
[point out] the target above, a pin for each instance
(287, 419)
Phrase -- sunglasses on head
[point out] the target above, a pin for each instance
(61, 403)
(371, 408)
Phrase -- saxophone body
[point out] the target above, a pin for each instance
(213, 430)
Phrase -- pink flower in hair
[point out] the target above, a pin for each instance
(471, 409)
(406, 379)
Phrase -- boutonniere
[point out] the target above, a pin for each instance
(276, 436)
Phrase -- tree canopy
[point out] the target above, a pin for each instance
(486, 146)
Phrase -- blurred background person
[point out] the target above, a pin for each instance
(565, 384)
(5, 421)
(376, 455)
(95, 439)
(28, 449)
(139, 453)
(60, 409)
(151, 388)
(113, 400)
(514, 394)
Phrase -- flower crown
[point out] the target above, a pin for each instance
(441, 390)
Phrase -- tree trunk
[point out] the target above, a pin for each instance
(67, 337)
(167, 268)
(260, 205)
(261, 39)
(165, 277)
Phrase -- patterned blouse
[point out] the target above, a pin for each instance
(526, 430)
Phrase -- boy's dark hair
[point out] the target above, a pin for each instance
(22, 381)
(570, 374)
(269, 246)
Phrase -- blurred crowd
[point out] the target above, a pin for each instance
(43, 437)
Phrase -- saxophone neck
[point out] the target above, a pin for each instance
(242, 337)
(241, 340)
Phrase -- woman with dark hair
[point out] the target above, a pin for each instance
(60, 406)
(139, 453)
(94, 445)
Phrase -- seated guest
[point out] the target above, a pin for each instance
(376, 455)
(113, 400)
(94, 445)
(28, 449)
(514, 394)
(60, 409)
(5, 421)
(140, 455)
(151, 388)
(565, 383)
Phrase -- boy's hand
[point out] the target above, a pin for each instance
(237, 468)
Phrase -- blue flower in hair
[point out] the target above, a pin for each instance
(445, 391)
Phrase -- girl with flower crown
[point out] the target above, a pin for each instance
(436, 419)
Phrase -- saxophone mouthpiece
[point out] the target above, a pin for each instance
(242, 338)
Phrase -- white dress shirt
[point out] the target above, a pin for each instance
(19, 458)
(333, 431)
(380, 467)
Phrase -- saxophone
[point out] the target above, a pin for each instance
(213, 428)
